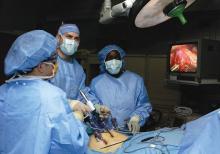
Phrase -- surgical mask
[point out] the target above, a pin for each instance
(69, 47)
(55, 68)
(113, 66)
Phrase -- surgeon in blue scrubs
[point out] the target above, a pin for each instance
(70, 76)
(35, 117)
(122, 91)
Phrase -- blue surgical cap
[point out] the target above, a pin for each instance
(65, 28)
(28, 50)
(105, 51)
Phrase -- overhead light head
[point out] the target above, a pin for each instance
(144, 13)
(148, 13)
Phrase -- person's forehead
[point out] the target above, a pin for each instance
(113, 53)
(73, 34)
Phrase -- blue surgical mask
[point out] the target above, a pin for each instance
(69, 47)
(113, 66)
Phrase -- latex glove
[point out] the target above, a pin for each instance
(79, 106)
(78, 115)
(102, 110)
(133, 124)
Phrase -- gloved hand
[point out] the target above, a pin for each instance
(102, 110)
(79, 106)
(133, 124)
(78, 115)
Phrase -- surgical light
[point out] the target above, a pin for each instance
(144, 13)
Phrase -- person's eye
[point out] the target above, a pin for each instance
(69, 37)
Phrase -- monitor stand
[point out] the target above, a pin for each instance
(190, 80)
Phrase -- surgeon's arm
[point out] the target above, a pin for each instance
(143, 106)
(68, 135)
(90, 93)
(102, 110)
(76, 105)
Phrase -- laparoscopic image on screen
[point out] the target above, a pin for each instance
(183, 58)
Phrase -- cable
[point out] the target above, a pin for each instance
(125, 131)
(153, 143)
(183, 111)
(145, 148)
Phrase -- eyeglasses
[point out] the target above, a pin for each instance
(52, 59)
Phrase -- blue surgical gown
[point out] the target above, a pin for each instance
(35, 118)
(125, 96)
(70, 77)
(202, 135)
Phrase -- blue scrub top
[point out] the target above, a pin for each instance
(36, 118)
(125, 96)
(70, 77)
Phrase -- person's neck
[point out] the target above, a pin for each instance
(116, 75)
(63, 56)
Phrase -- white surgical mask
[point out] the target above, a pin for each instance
(55, 68)
(18, 76)
(113, 66)
(69, 47)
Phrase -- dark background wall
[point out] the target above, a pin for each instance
(5, 41)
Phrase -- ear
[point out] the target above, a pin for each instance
(40, 68)
(59, 38)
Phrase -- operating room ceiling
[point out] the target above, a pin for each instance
(22, 15)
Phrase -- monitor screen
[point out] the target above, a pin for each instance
(183, 57)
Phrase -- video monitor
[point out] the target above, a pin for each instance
(183, 58)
